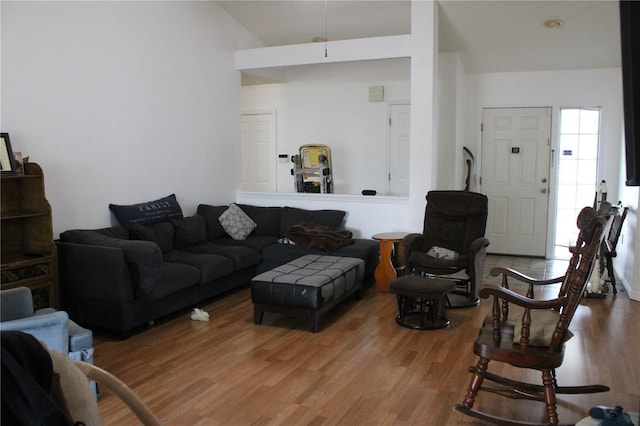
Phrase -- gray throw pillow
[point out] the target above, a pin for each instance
(236, 223)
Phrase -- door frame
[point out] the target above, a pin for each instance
(554, 161)
(390, 105)
(274, 142)
(553, 165)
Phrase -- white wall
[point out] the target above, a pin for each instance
(575, 88)
(366, 215)
(451, 95)
(599, 87)
(627, 262)
(123, 102)
(329, 104)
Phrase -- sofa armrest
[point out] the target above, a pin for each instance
(144, 258)
(93, 272)
(16, 303)
(51, 328)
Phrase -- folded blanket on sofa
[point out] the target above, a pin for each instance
(323, 237)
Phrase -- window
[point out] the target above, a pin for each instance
(577, 170)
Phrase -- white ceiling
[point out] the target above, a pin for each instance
(489, 36)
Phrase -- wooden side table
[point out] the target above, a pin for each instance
(385, 271)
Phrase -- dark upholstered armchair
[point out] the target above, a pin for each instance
(452, 242)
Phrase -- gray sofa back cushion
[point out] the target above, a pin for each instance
(117, 231)
(211, 215)
(267, 219)
(293, 216)
(159, 233)
(189, 231)
(271, 221)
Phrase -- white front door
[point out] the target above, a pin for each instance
(258, 141)
(515, 176)
(399, 132)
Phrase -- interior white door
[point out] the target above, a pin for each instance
(399, 132)
(515, 176)
(258, 141)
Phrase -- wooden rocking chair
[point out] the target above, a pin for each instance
(521, 341)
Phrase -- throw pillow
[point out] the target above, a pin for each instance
(159, 233)
(147, 213)
(543, 324)
(236, 223)
(189, 231)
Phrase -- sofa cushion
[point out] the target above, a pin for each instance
(211, 266)
(242, 256)
(159, 233)
(293, 216)
(256, 242)
(189, 231)
(147, 213)
(211, 215)
(117, 231)
(173, 278)
(236, 223)
(144, 257)
(267, 219)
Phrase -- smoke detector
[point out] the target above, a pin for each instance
(553, 24)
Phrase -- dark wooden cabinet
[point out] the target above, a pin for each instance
(28, 253)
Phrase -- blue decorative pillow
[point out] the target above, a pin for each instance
(148, 213)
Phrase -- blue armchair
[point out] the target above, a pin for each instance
(52, 327)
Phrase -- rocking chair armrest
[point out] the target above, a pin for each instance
(511, 296)
(499, 270)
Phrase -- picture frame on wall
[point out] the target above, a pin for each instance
(7, 160)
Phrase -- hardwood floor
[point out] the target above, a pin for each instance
(361, 368)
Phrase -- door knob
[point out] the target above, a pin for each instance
(544, 180)
(543, 190)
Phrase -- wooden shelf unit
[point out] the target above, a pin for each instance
(28, 253)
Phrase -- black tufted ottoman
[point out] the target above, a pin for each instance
(307, 287)
(415, 294)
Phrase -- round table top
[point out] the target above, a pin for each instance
(390, 236)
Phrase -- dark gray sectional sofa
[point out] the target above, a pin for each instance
(116, 279)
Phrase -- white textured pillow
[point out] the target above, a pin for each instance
(236, 223)
(442, 253)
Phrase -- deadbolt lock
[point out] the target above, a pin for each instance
(544, 180)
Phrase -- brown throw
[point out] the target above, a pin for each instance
(323, 237)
